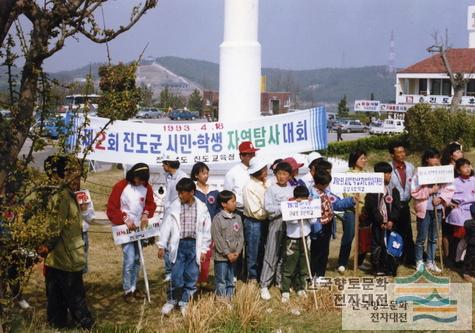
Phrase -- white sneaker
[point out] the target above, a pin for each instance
(167, 308)
(341, 269)
(168, 278)
(433, 268)
(302, 293)
(265, 294)
(23, 304)
(285, 297)
(420, 266)
(183, 309)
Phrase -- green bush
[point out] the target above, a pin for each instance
(368, 144)
(429, 127)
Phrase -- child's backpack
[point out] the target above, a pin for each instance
(394, 244)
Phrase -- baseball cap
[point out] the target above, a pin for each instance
(293, 163)
(256, 164)
(247, 147)
(170, 156)
(312, 157)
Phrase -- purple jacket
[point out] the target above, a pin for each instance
(464, 196)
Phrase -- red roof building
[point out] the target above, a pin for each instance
(428, 81)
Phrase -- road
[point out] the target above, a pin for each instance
(40, 156)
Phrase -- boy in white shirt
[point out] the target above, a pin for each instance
(294, 268)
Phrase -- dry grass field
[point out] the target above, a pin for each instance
(247, 313)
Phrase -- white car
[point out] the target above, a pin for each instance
(389, 126)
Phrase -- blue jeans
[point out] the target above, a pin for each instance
(255, 234)
(427, 229)
(224, 278)
(185, 273)
(347, 238)
(168, 263)
(131, 266)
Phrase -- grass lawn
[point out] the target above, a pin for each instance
(248, 314)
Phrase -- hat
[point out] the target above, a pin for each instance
(256, 164)
(247, 147)
(293, 163)
(472, 209)
(170, 156)
(313, 156)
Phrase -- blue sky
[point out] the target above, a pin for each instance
(294, 34)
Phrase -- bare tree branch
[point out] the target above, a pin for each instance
(149, 4)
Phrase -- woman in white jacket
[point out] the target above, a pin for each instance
(186, 234)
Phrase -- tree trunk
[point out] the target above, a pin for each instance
(457, 98)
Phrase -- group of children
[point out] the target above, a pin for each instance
(242, 228)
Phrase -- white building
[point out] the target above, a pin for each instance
(428, 82)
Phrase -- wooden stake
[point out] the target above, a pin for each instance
(439, 236)
(356, 240)
(142, 260)
(308, 265)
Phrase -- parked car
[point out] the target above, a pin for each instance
(336, 124)
(353, 126)
(149, 113)
(53, 126)
(181, 114)
(389, 126)
(5, 114)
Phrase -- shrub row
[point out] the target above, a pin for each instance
(426, 127)
(367, 144)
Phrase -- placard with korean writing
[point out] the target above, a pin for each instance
(131, 142)
(298, 210)
(435, 175)
(367, 106)
(123, 235)
(360, 182)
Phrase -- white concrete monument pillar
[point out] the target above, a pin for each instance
(240, 62)
(471, 27)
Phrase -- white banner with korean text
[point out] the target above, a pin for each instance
(131, 142)
(297, 210)
(123, 235)
(358, 182)
(435, 175)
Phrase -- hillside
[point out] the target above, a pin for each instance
(319, 85)
(326, 85)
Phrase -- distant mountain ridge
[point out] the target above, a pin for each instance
(317, 86)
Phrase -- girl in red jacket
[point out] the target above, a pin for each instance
(131, 203)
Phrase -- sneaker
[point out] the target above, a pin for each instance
(433, 268)
(469, 278)
(302, 293)
(364, 266)
(23, 304)
(167, 308)
(265, 294)
(285, 297)
(420, 266)
(183, 309)
(168, 278)
(129, 297)
(341, 269)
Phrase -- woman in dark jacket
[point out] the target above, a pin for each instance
(383, 213)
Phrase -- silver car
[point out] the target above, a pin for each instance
(353, 126)
(149, 113)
